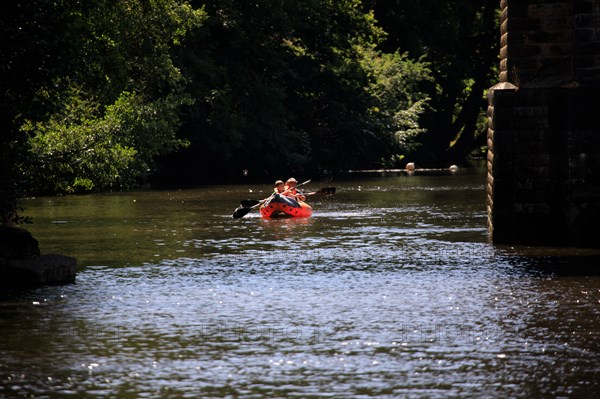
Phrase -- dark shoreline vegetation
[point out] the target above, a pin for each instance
(108, 95)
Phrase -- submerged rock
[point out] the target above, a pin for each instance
(39, 270)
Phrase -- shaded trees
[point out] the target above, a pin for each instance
(33, 51)
(96, 92)
(460, 40)
(284, 86)
(93, 95)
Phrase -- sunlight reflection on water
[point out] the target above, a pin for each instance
(390, 291)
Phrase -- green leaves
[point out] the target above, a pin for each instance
(86, 147)
(76, 149)
(460, 41)
(266, 86)
(398, 100)
(300, 83)
(101, 122)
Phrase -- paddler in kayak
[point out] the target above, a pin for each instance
(292, 191)
(279, 187)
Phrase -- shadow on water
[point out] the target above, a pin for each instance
(559, 261)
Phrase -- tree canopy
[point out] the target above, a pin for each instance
(460, 40)
(286, 86)
(102, 95)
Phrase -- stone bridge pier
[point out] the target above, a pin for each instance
(544, 126)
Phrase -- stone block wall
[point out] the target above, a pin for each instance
(551, 41)
(544, 125)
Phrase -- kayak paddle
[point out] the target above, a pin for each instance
(242, 211)
(248, 203)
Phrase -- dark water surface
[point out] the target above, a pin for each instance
(389, 290)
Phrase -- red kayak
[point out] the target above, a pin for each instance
(282, 206)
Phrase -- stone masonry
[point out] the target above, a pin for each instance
(544, 125)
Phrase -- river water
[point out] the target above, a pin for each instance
(390, 290)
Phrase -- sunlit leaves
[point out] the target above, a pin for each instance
(117, 107)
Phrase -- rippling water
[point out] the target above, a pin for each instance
(389, 290)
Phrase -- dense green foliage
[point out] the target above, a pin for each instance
(84, 146)
(97, 94)
(111, 104)
(460, 39)
(289, 86)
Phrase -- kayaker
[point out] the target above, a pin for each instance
(279, 187)
(292, 191)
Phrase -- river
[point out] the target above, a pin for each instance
(390, 289)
